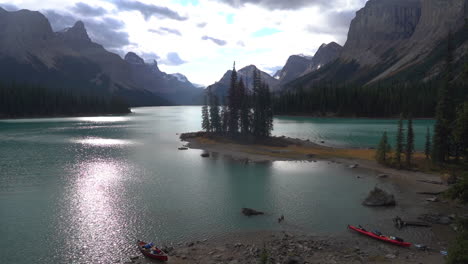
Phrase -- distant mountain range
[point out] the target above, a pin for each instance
(30, 52)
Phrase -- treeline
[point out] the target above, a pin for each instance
(243, 113)
(380, 100)
(24, 100)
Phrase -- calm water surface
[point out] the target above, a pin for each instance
(71, 188)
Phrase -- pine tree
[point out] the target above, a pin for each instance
(444, 117)
(224, 119)
(461, 130)
(383, 149)
(233, 103)
(427, 146)
(206, 117)
(267, 108)
(245, 109)
(256, 97)
(409, 142)
(215, 119)
(399, 142)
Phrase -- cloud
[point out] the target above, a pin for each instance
(9, 7)
(59, 21)
(150, 56)
(87, 10)
(105, 31)
(273, 70)
(337, 24)
(165, 30)
(202, 25)
(173, 59)
(148, 10)
(282, 4)
(218, 42)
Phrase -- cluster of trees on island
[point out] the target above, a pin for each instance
(24, 100)
(243, 113)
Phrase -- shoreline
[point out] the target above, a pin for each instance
(349, 117)
(287, 247)
(408, 185)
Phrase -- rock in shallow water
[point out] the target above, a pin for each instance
(379, 197)
(250, 212)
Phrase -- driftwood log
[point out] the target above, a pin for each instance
(399, 223)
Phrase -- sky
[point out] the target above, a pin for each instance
(202, 38)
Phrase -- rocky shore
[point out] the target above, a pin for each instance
(289, 248)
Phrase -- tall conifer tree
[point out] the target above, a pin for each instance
(427, 146)
(409, 142)
(245, 108)
(215, 119)
(444, 112)
(399, 142)
(383, 149)
(233, 103)
(206, 117)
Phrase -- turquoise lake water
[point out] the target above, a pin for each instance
(71, 188)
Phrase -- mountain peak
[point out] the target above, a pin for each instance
(132, 58)
(77, 32)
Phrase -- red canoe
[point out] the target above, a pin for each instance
(392, 240)
(153, 252)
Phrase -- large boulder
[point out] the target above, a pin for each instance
(379, 197)
(250, 212)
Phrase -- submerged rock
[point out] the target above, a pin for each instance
(379, 197)
(205, 155)
(250, 212)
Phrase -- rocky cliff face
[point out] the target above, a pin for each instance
(390, 37)
(438, 18)
(380, 26)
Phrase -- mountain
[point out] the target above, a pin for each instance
(299, 65)
(396, 40)
(30, 52)
(294, 67)
(221, 87)
(174, 88)
(324, 55)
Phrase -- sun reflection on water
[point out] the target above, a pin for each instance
(104, 119)
(97, 217)
(103, 142)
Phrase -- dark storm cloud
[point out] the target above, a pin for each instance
(148, 10)
(282, 4)
(9, 7)
(87, 10)
(173, 59)
(105, 31)
(165, 30)
(218, 42)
